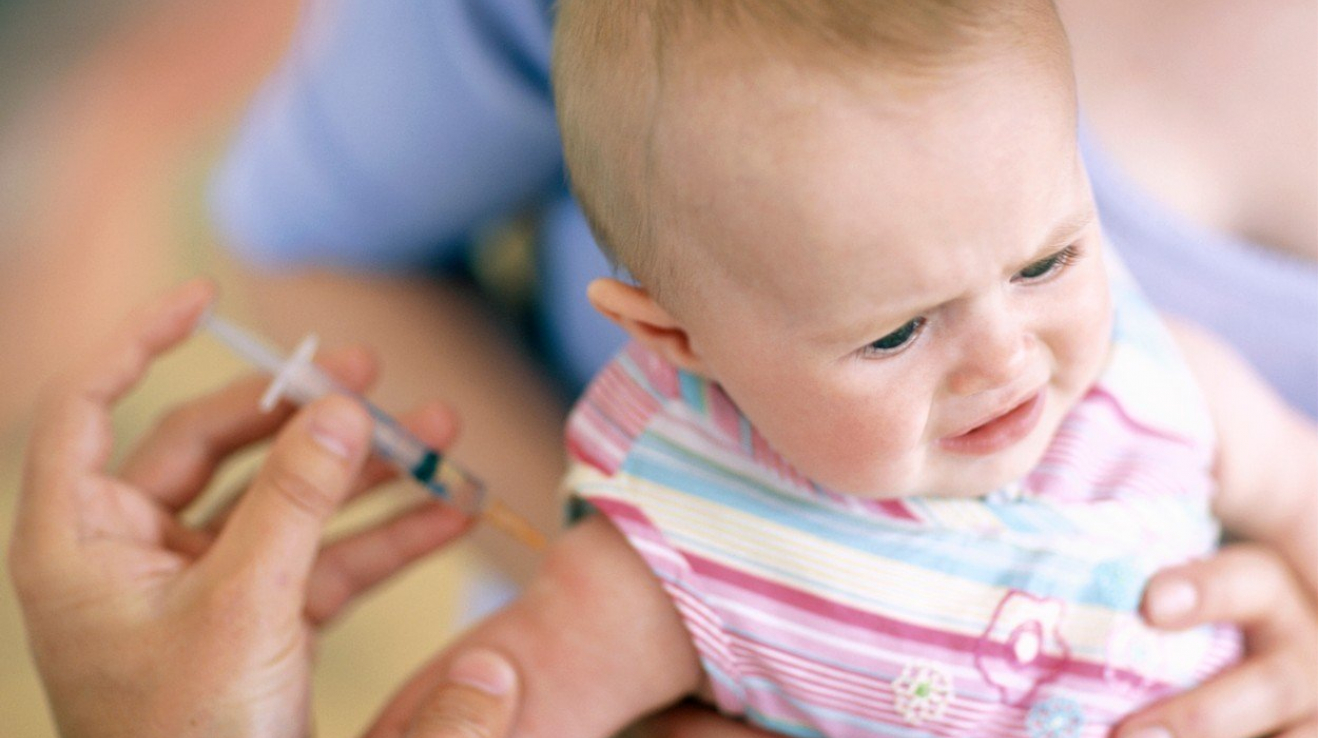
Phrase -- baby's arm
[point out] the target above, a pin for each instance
(595, 638)
(1267, 465)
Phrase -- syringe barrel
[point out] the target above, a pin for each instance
(422, 463)
(299, 380)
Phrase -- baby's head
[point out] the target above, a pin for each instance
(867, 221)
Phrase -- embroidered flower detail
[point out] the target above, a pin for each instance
(1022, 647)
(922, 692)
(1055, 717)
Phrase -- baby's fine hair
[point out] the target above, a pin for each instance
(611, 59)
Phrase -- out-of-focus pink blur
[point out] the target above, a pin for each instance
(110, 114)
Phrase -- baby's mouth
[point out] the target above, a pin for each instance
(998, 431)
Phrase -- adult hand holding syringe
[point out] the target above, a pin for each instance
(298, 379)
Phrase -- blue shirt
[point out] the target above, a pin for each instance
(395, 129)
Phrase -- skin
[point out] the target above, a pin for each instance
(1212, 75)
(1156, 129)
(110, 579)
(788, 289)
(799, 279)
(1243, 584)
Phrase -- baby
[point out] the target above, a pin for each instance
(889, 454)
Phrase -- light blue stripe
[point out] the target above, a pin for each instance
(638, 377)
(693, 392)
(1027, 517)
(747, 434)
(986, 559)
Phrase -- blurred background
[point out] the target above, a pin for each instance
(111, 115)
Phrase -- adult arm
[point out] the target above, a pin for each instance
(595, 638)
(389, 131)
(1267, 463)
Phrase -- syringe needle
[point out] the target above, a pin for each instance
(500, 516)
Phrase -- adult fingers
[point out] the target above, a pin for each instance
(694, 721)
(274, 532)
(433, 423)
(1261, 696)
(176, 460)
(477, 697)
(1308, 730)
(1244, 584)
(72, 437)
(399, 714)
(1274, 688)
(349, 567)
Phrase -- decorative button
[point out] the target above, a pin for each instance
(922, 692)
(1055, 717)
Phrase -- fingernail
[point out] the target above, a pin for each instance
(1155, 731)
(483, 670)
(1173, 600)
(336, 427)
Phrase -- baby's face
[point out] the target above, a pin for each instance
(904, 299)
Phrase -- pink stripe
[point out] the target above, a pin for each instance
(623, 401)
(838, 688)
(592, 439)
(661, 375)
(896, 509)
(840, 681)
(724, 415)
(797, 599)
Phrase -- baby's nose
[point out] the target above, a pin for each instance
(991, 359)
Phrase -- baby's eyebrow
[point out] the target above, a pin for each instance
(1061, 233)
(837, 334)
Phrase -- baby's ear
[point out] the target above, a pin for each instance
(645, 321)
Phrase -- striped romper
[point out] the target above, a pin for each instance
(819, 614)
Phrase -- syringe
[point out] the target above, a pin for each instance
(301, 381)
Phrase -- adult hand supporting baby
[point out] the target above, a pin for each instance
(143, 626)
(1273, 691)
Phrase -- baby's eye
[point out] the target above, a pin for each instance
(897, 340)
(1048, 266)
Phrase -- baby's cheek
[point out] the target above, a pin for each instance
(1082, 342)
(1089, 349)
(864, 445)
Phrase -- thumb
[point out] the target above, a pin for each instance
(477, 697)
(275, 529)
